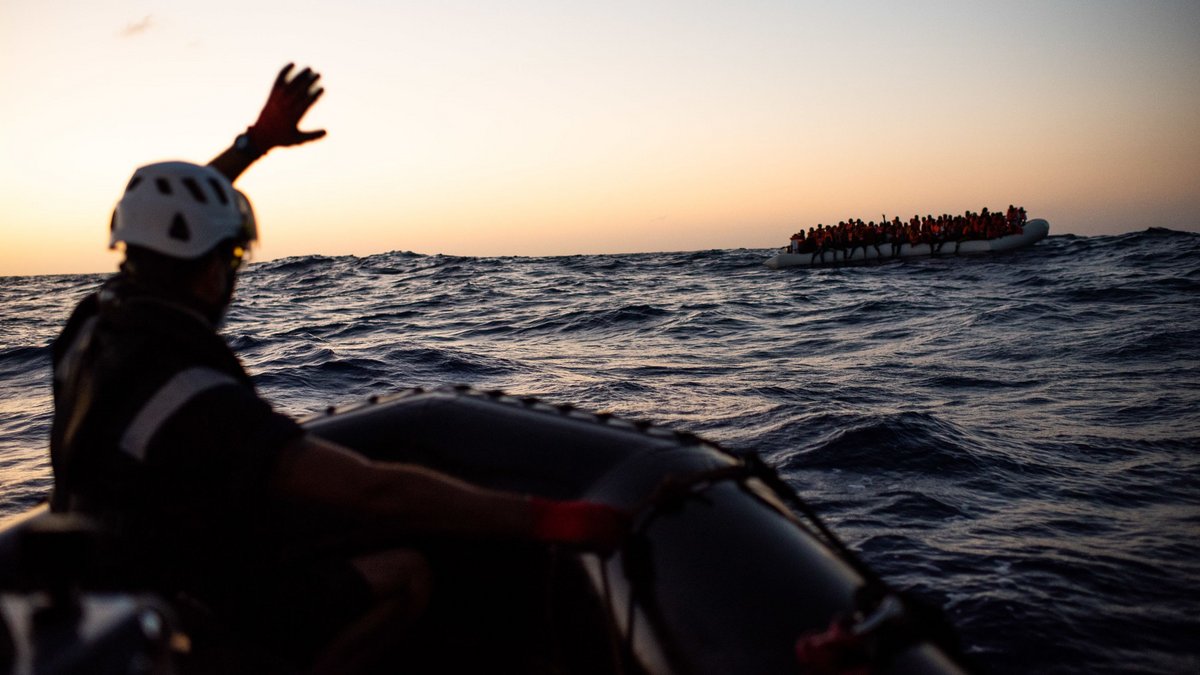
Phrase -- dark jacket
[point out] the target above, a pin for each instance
(159, 433)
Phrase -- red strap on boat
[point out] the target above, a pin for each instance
(850, 644)
(837, 650)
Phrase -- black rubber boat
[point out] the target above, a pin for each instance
(726, 570)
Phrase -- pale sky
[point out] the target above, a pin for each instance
(530, 127)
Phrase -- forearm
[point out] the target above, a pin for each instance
(233, 162)
(419, 500)
(392, 498)
(397, 497)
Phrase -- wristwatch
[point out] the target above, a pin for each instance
(244, 145)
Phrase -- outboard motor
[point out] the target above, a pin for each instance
(51, 625)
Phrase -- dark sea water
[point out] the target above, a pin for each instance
(1016, 437)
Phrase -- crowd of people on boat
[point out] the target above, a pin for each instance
(887, 236)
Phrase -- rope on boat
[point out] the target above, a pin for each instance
(884, 623)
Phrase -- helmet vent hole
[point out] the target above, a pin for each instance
(221, 196)
(179, 229)
(194, 188)
(133, 182)
(164, 186)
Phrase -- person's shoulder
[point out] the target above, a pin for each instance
(86, 309)
(158, 335)
(150, 318)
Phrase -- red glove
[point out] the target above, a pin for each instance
(586, 524)
(289, 100)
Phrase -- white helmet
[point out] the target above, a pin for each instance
(181, 210)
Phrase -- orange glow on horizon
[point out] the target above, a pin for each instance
(524, 130)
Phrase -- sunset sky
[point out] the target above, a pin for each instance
(556, 127)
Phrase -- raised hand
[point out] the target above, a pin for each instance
(290, 99)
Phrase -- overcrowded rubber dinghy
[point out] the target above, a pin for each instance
(1033, 231)
(726, 569)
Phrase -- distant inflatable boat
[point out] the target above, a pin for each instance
(726, 571)
(1033, 232)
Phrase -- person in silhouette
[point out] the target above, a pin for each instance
(212, 496)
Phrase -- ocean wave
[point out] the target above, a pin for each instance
(902, 442)
(613, 319)
(1014, 436)
(19, 357)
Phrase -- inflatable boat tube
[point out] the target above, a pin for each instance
(725, 571)
(720, 576)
